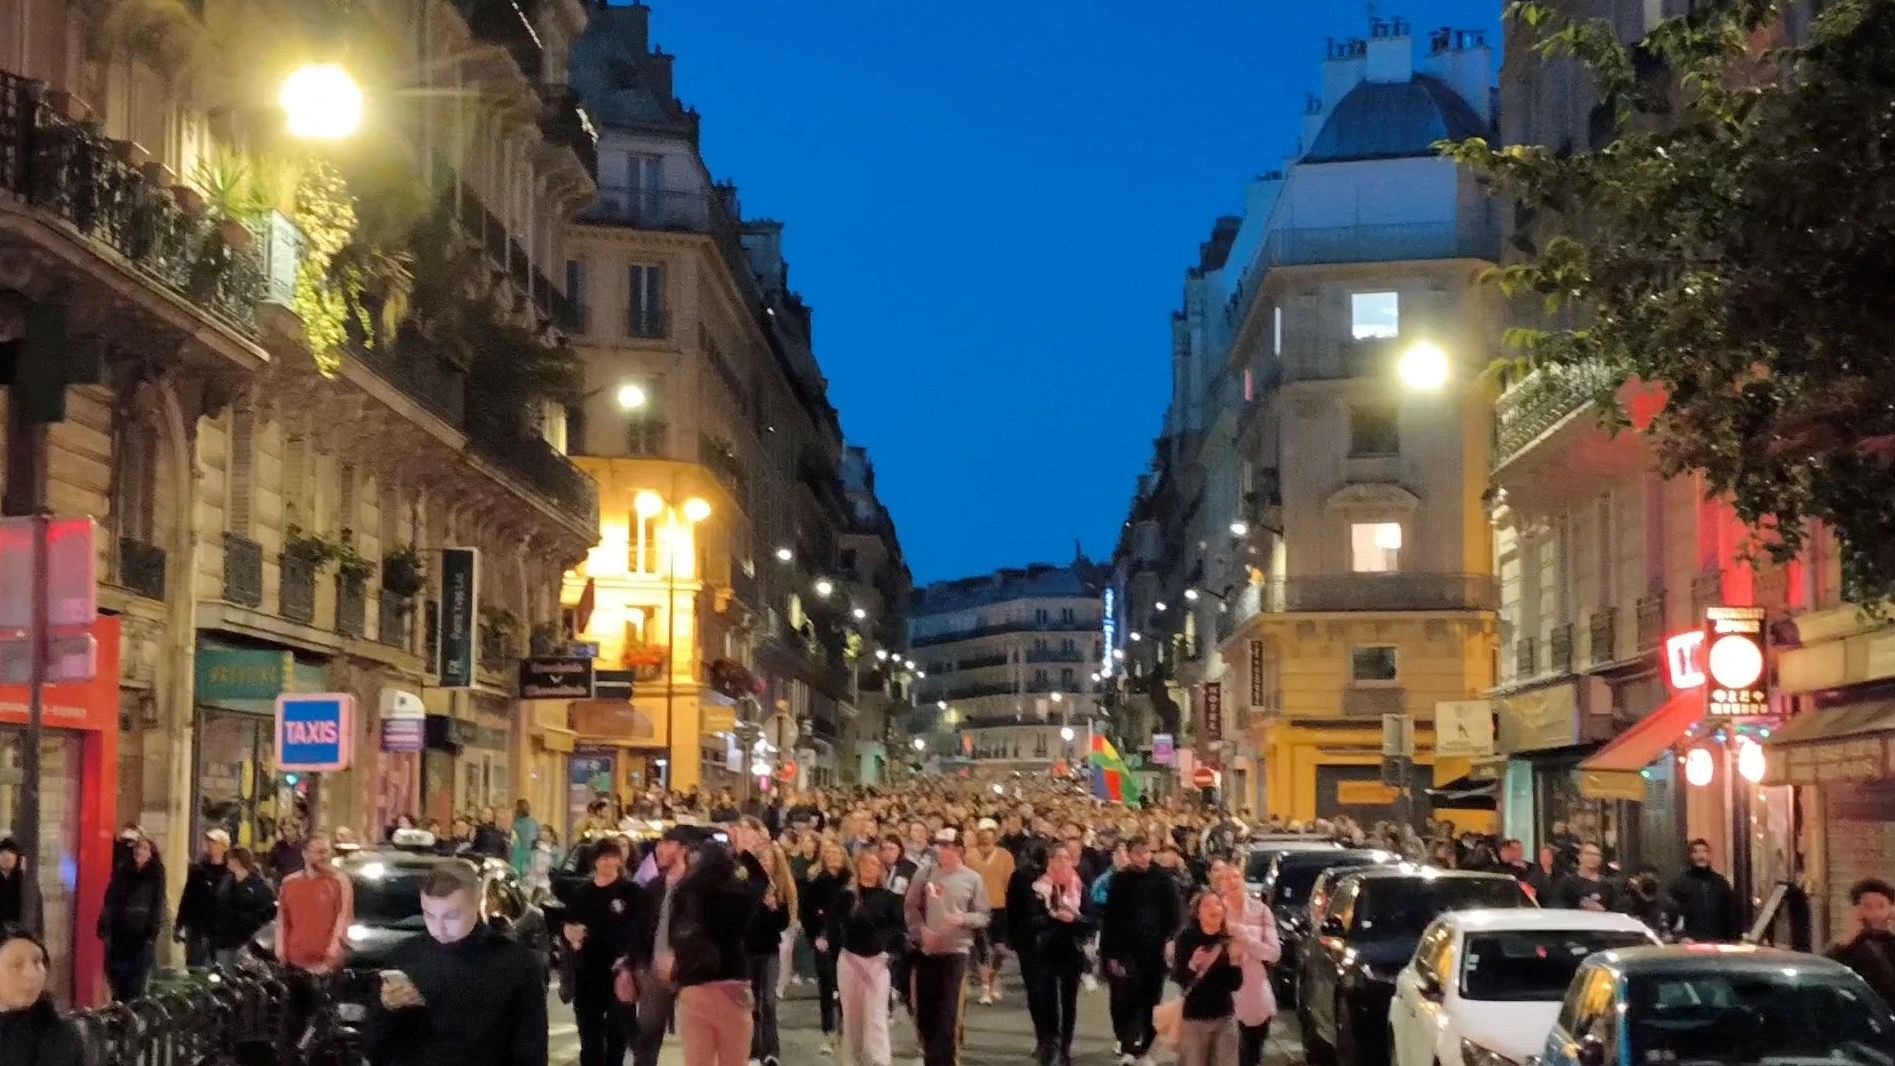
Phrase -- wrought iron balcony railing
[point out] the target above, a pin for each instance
(1651, 620)
(1562, 648)
(141, 568)
(296, 594)
(243, 571)
(1603, 632)
(1343, 593)
(394, 623)
(351, 606)
(1541, 400)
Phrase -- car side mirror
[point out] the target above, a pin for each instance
(1591, 1052)
(1332, 926)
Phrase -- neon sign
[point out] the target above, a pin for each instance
(1736, 661)
(1111, 632)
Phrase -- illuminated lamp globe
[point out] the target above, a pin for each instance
(921, 744)
(1750, 763)
(1735, 661)
(1699, 767)
(784, 555)
(322, 101)
(824, 587)
(647, 504)
(696, 509)
(632, 396)
(1423, 367)
(1066, 733)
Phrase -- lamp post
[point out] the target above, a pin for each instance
(322, 102)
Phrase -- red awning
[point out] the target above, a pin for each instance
(1612, 772)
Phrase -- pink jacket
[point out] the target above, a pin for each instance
(1256, 1001)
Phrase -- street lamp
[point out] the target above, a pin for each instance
(1191, 595)
(1159, 607)
(881, 655)
(784, 555)
(696, 509)
(921, 743)
(1066, 733)
(942, 704)
(921, 674)
(1057, 697)
(859, 614)
(632, 396)
(647, 504)
(824, 586)
(322, 101)
(1136, 637)
(1240, 529)
(1423, 367)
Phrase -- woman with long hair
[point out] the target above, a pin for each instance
(1024, 936)
(714, 905)
(32, 1033)
(763, 943)
(1254, 929)
(866, 924)
(1206, 964)
(1060, 927)
(822, 896)
(130, 920)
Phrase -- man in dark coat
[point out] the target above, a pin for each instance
(1703, 899)
(1142, 913)
(197, 908)
(1871, 952)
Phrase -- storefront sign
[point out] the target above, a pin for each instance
(1256, 674)
(460, 610)
(1830, 762)
(1213, 711)
(402, 736)
(555, 678)
(1164, 749)
(1543, 718)
(1463, 728)
(314, 734)
(225, 674)
(1734, 659)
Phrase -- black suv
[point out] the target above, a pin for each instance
(1366, 929)
(1286, 885)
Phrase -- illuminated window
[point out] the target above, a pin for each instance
(1375, 547)
(1374, 315)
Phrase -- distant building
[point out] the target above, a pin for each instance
(1005, 661)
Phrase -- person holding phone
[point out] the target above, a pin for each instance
(461, 993)
(1207, 964)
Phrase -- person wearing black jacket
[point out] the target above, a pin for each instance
(462, 994)
(1705, 903)
(130, 920)
(1142, 912)
(243, 905)
(865, 927)
(898, 870)
(716, 901)
(32, 1033)
(1060, 927)
(600, 924)
(197, 907)
(639, 979)
(1871, 952)
(490, 841)
(12, 883)
(1023, 934)
(821, 901)
(1204, 967)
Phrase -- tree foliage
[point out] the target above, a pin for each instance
(1733, 244)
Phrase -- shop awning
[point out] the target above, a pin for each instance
(1612, 772)
(1465, 793)
(1834, 746)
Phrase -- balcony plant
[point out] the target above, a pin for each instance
(313, 549)
(351, 563)
(402, 572)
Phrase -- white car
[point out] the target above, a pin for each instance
(1484, 987)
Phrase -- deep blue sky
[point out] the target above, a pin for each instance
(990, 205)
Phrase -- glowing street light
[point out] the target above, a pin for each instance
(1423, 367)
(942, 704)
(921, 674)
(1136, 637)
(1159, 607)
(859, 613)
(696, 509)
(824, 586)
(1066, 733)
(322, 101)
(1191, 595)
(1057, 697)
(1240, 529)
(881, 655)
(632, 396)
(784, 555)
(647, 504)
(921, 743)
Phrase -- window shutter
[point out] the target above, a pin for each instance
(239, 480)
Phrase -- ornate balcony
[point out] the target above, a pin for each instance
(1531, 407)
(1651, 620)
(1562, 649)
(296, 598)
(243, 571)
(1526, 657)
(1602, 631)
(351, 606)
(141, 568)
(394, 621)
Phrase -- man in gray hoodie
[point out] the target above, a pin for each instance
(945, 904)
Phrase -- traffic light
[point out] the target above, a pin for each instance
(37, 368)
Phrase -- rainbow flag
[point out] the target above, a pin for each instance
(1111, 780)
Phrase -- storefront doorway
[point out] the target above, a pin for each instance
(239, 789)
(60, 835)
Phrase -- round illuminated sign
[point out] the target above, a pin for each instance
(1699, 767)
(1735, 661)
(1750, 759)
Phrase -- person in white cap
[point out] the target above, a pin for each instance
(945, 905)
(994, 864)
(198, 907)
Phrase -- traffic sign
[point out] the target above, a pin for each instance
(314, 733)
(1204, 777)
(786, 772)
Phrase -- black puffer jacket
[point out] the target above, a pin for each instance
(38, 1036)
(1143, 911)
(134, 907)
(239, 909)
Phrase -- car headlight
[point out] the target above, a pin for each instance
(1473, 1054)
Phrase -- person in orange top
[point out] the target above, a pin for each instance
(313, 910)
(994, 864)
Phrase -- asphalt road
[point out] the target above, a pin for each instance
(1000, 1035)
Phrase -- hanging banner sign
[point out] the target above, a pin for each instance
(460, 611)
(1213, 711)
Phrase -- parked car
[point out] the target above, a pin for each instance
(1485, 985)
(387, 884)
(1718, 1004)
(1365, 933)
(1286, 886)
(1258, 855)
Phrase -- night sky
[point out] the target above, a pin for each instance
(990, 205)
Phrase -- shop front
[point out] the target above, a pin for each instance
(619, 750)
(1544, 733)
(78, 790)
(238, 787)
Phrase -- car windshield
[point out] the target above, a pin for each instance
(1257, 865)
(388, 897)
(1297, 874)
(1532, 964)
(1769, 1018)
(1403, 906)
